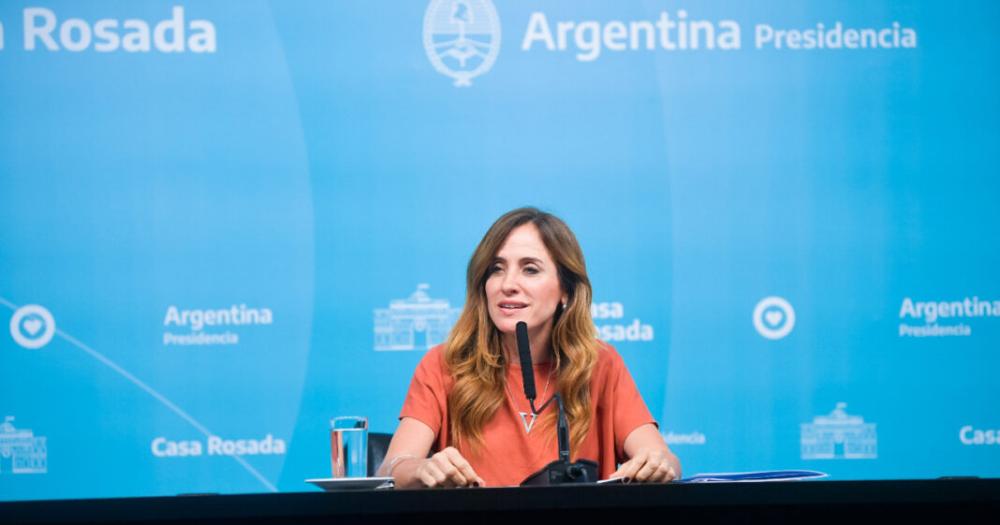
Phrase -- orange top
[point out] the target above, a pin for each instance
(510, 453)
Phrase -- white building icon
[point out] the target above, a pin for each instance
(20, 451)
(415, 323)
(839, 435)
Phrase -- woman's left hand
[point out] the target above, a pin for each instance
(650, 465)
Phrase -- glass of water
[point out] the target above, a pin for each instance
(349, 446)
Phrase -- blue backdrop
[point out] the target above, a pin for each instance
(222, 223)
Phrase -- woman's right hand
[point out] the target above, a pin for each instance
(447, 468)
(407, 462)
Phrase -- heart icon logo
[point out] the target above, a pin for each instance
(32, 326)
(773, 317)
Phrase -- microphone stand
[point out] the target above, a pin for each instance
(560, 471)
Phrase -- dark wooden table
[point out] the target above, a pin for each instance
(941, 501)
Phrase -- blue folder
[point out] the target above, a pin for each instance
(761, 475)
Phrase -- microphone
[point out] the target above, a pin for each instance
(561, 470)
(527, 368)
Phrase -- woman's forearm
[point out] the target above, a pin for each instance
(403, 472)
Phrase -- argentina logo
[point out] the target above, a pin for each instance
(462, 38)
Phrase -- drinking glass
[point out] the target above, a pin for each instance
(349, 446)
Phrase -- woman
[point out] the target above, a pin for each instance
(466, 400)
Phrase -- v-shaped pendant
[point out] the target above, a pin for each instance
(524, 419)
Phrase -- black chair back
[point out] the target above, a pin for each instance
(378, 445)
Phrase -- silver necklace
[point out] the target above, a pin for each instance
(524, 415)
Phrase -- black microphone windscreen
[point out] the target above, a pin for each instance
(524, 351)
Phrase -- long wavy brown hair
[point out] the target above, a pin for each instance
(473, 351)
